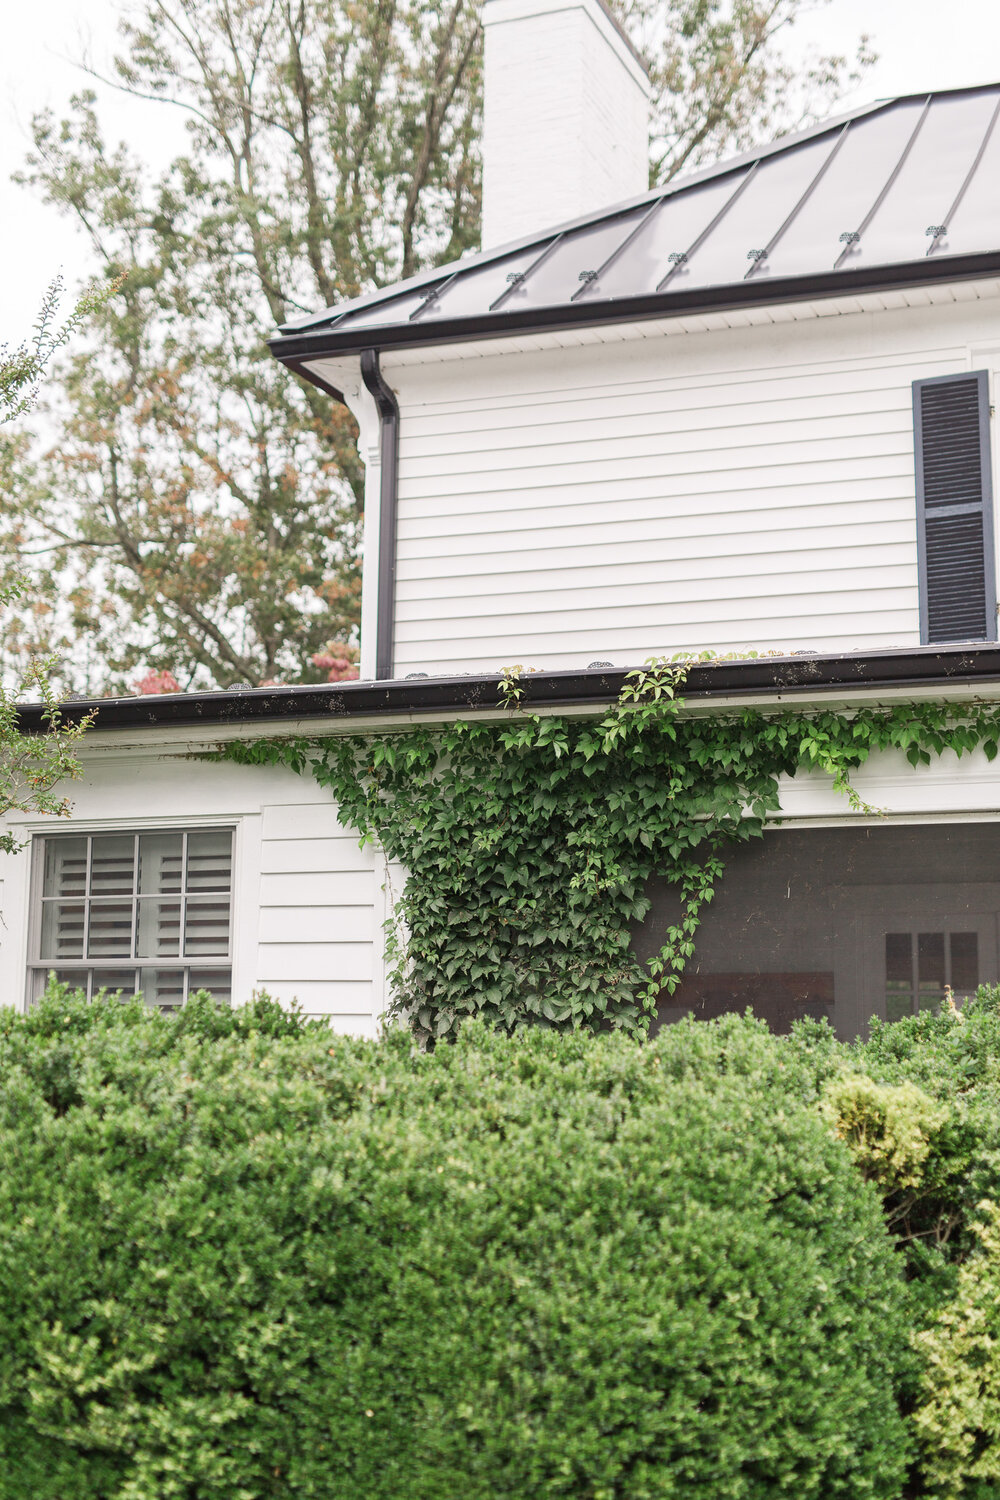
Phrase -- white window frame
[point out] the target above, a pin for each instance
(91, 828)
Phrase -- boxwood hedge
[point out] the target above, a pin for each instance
(240, 1258)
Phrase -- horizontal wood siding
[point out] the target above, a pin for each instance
(319, 935)
(736, 490)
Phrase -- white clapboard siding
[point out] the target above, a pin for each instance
(810, 635)
(344, 888)
(805, 554)
(646, 476)
(330, 1002)
(311, 820)
(657, 534)
(746, 488)
(951, 788)
(561, 621)
(310, 923)
(832, 414)
(334, 962)
(313, 856)
(691, 454)
(321, 912)
(614, 599)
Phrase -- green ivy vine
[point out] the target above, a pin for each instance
(528, 842)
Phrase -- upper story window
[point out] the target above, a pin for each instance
(149, 912)
(951, 424)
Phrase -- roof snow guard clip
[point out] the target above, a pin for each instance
(588, 275)
(850, 237)
(756, 255)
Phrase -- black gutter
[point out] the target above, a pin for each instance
(388, 411)
(971, 666)
(296, 347)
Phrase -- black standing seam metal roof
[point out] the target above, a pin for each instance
(897, 193)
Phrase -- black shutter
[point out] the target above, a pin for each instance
(951, 423)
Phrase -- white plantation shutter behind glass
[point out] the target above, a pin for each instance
(152, 897)
(64, 921)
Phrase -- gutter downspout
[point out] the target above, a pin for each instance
(388, 411)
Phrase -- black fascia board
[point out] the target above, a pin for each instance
(294, 348)
(975, 667)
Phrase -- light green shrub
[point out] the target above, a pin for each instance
(958, 1418)
(888, 1128)
(248, 1265)
(953, 1059)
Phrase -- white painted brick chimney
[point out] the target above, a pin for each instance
(566, 126)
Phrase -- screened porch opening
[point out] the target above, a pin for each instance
(842, 924)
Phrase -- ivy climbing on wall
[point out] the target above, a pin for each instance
(528, 842)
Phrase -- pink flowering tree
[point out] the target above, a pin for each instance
(162, 681)
(338, 660)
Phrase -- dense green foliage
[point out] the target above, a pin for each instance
(528, 842)
(242, 1258)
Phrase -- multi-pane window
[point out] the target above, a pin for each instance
(920, 966)
(147, 912)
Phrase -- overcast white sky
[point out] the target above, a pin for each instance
(922, 44)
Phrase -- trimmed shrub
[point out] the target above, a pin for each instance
(948, 1051)
(958, 1417)
(889, 1128)
(953, 1060)
(253, 1264)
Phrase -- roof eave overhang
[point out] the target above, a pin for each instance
(974, 669)
(296, 350)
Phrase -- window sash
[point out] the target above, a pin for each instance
(163, 986)
(113, 923)
(164, 910)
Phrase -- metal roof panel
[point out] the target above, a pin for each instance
(771, 192)
(675, 224)
(974, 218)
(866, 155)
(922, 191)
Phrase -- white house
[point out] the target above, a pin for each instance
(750, 412)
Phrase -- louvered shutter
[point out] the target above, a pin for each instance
(951, 417)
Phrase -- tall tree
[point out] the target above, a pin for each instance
(34, 767)
(200, 510)
(722, 79)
